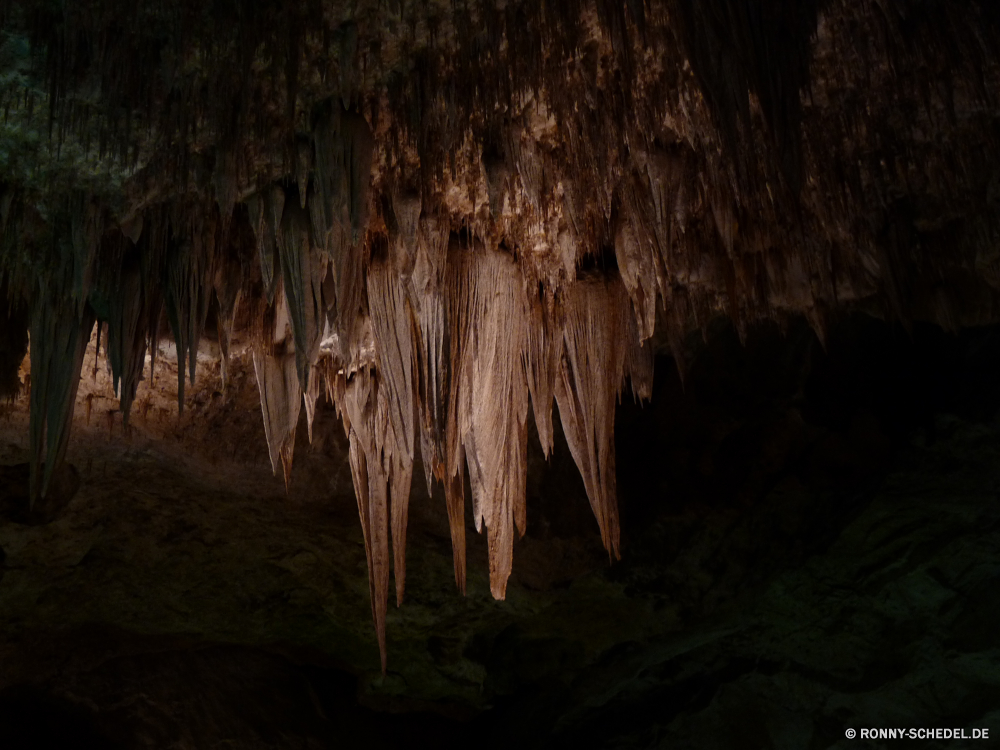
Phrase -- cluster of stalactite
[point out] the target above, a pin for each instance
(440, 214)
(427, 337)
(421, 336)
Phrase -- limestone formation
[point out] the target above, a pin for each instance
(440, 213)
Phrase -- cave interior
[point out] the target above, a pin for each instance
(562, 373)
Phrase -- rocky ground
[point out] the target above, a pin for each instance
(811, 543)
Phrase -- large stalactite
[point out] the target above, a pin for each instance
(438, 213)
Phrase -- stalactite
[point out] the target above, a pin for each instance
(266, 210)
(303, 269)
(228, 284)
(637, 261)
(343, 162)
(650, 215)
(338, 209)
(309, 399)
(598, 337)
(364, 410)
(543, 353)
(352, 300)
(492, 389)
(428, 297)
(86, 227)
(401, 476)
(153, 251)
(392, 327)
(280, 401)
(454, 493)
(126, 343)
(440, 447)
(497, 182)
(189, 276)
(59, 336)
(303, 168)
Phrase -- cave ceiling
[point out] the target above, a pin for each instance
(442, 216)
